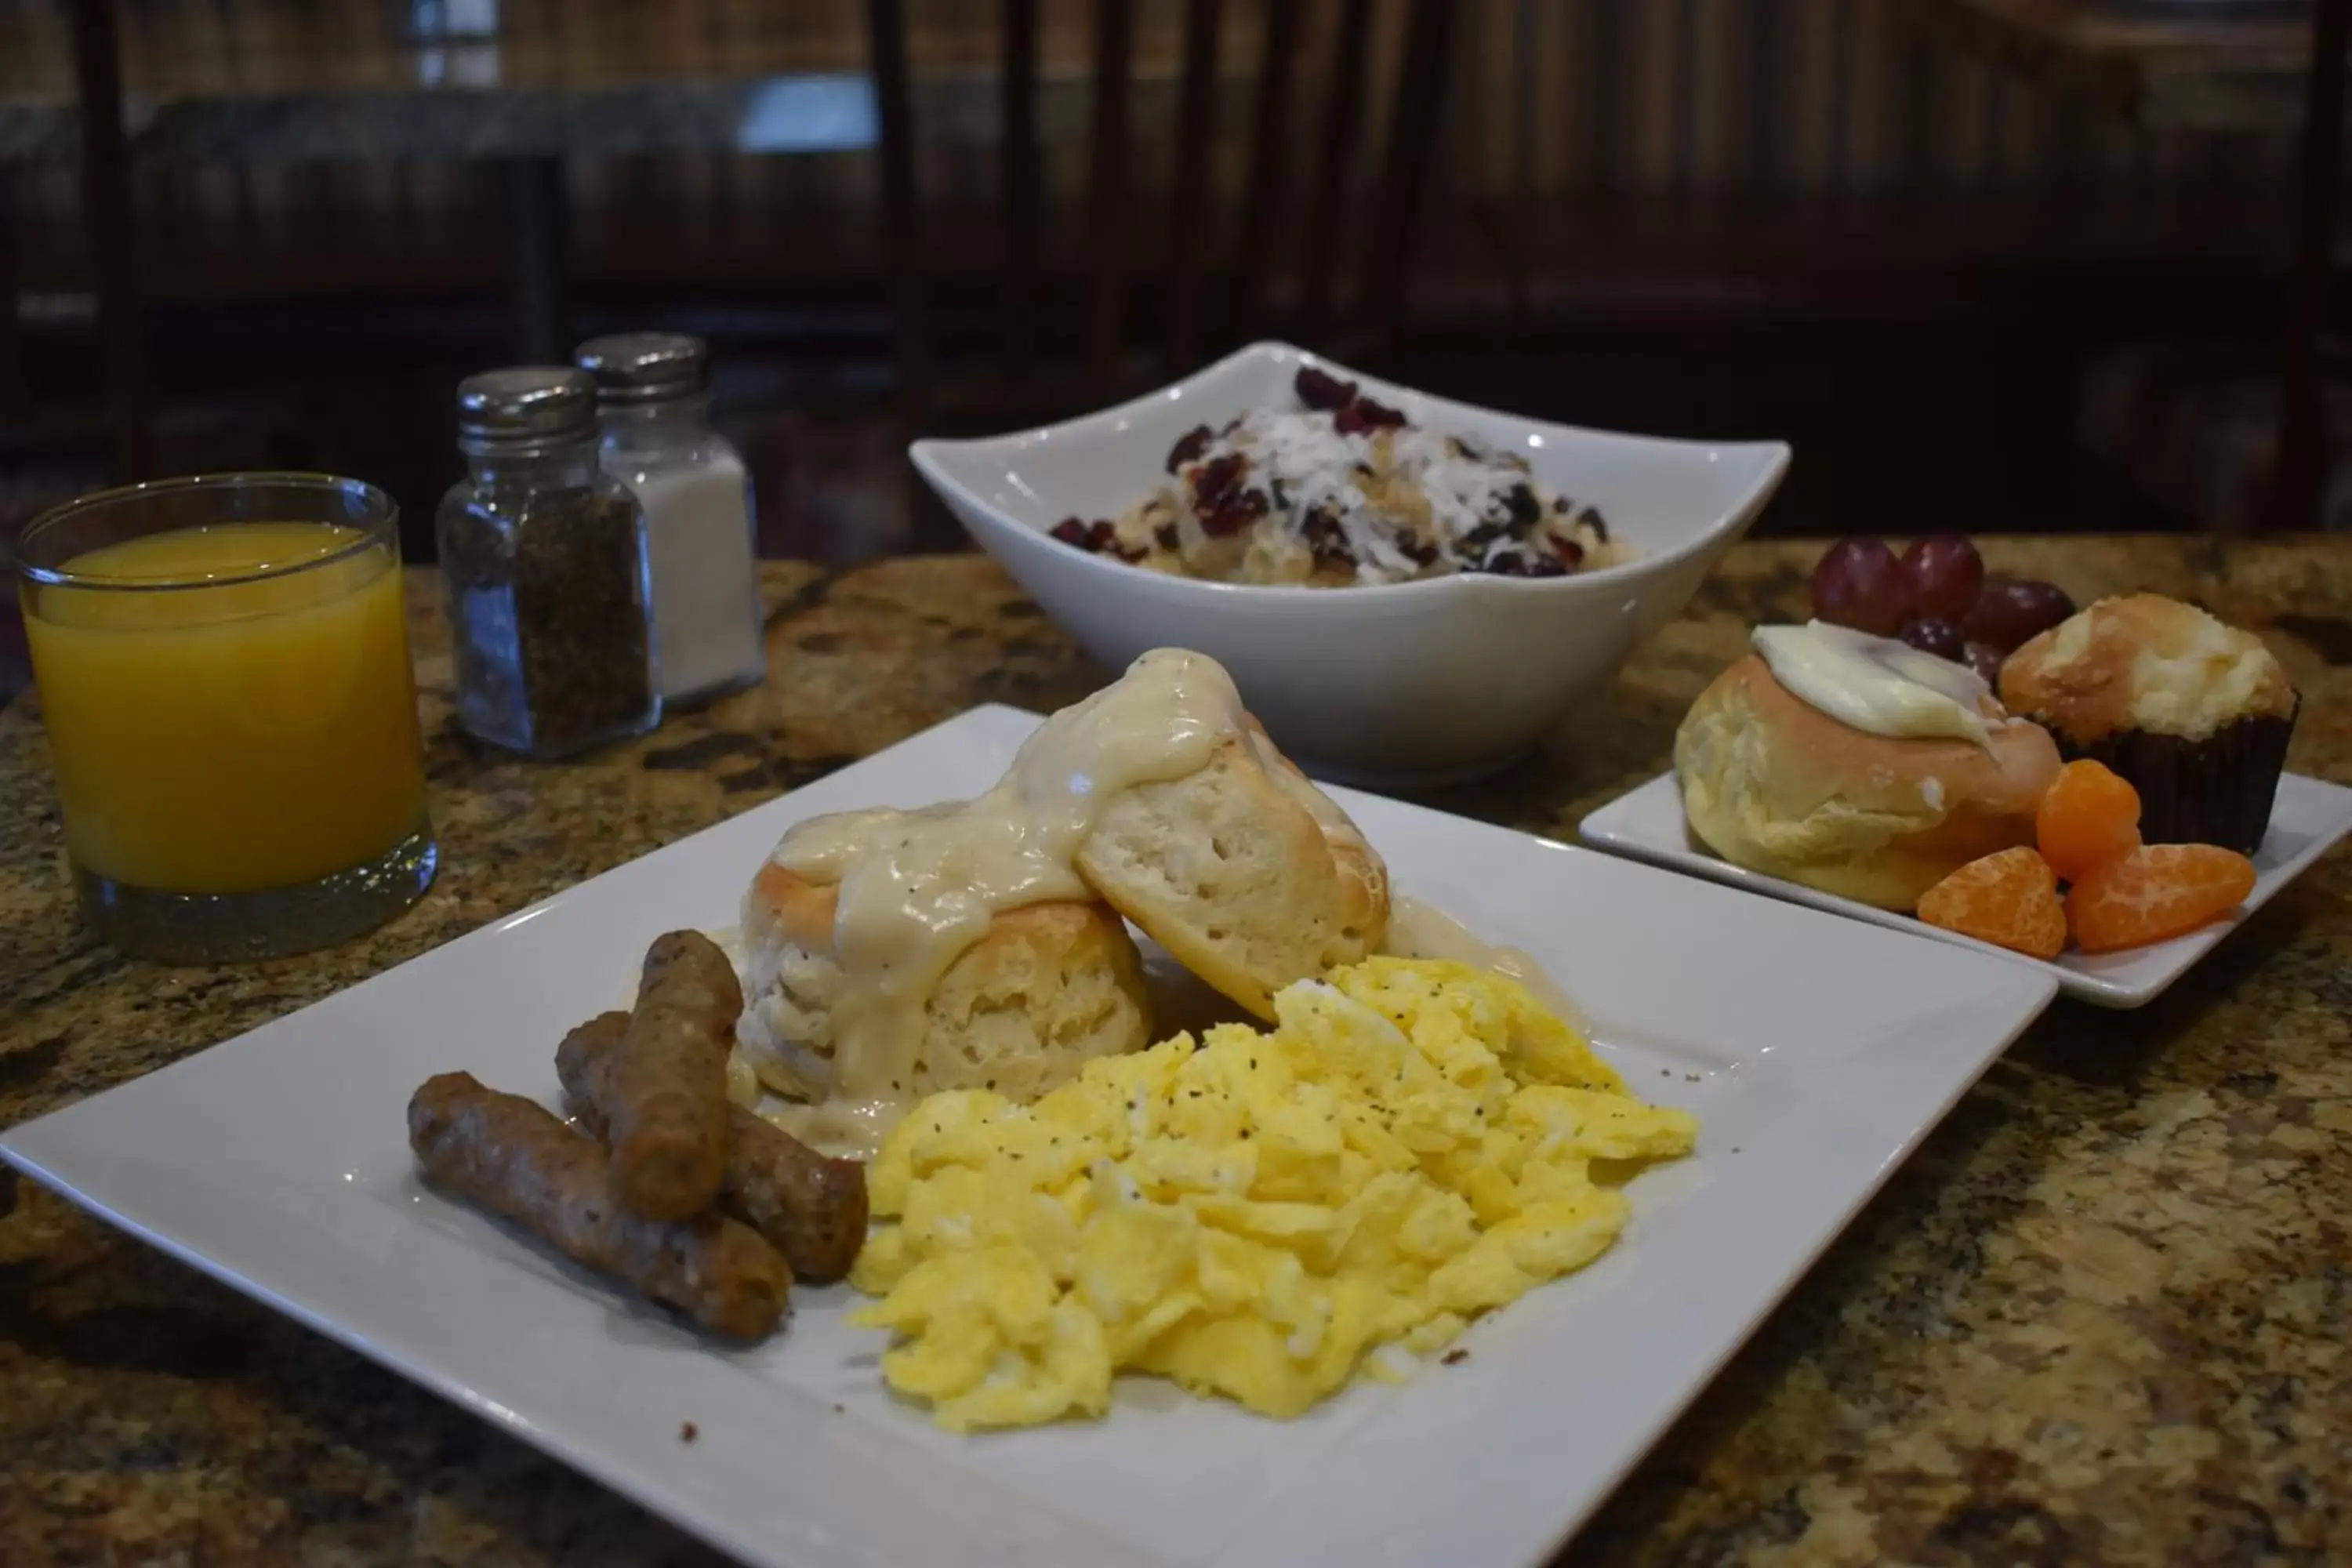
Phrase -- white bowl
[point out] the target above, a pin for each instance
(1397, 684)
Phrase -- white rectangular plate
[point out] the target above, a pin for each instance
(2308, 815)
(1815, 1052)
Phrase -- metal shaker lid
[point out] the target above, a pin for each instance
(645, 367)
(524, 408)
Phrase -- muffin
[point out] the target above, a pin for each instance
(2196, 714)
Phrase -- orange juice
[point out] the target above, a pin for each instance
(217, 736)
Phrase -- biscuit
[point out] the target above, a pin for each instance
(1048, 988)
(1243, 870)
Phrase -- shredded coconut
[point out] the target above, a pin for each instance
(1346, 490)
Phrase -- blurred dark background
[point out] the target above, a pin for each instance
(1992, 265)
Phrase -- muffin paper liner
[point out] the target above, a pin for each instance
(2214, 791)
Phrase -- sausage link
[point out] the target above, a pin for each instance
(812, 1208)
(667, 1106)
(513, 1157)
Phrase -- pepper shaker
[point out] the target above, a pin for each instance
(653, 393)
(544, 561)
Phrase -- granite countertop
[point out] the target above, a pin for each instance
(2102, 1316)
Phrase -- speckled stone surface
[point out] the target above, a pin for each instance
(2103, 1316)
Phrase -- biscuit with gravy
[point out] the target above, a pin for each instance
(1243, 869)
(1048, 988)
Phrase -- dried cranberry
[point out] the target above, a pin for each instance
(1478, 537)
(1101, 536)
(1325, 537)
(1188, 447)
(1417, 552)
(1217, 478)
(1519, 564)
(1525, 510)
(1363, 414)
(1319, 389)
(1232, 514)
(1070, 531)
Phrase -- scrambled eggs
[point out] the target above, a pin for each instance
(1251, 1214)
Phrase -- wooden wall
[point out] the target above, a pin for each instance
(1708, 99)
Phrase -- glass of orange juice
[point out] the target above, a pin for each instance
(222, 669)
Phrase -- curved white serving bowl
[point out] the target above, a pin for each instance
(1400, 684)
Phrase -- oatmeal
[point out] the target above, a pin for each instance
(1344, 490)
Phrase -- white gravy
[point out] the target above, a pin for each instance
(917, 888)
(843, 1129)
(1422, 931)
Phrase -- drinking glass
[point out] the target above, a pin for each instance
(223, 669)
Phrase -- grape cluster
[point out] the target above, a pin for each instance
(1936, 598)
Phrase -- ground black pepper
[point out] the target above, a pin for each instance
(552, 591)
(543, 559)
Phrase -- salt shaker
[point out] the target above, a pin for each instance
(543, 560)
(652, 388)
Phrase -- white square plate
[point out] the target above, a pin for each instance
(2308, 815)
(1815, 1052)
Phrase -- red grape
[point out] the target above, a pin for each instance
(1859, 583)
(1986, 660)
(1944, 573)
(1932, 634)
(2007, 612)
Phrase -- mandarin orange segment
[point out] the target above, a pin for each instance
(2088, 817)
(2155, 892)
(2009, 899)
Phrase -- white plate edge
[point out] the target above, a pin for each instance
(634, 1482)
(1603, 829)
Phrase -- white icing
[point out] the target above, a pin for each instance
(1877, 685)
